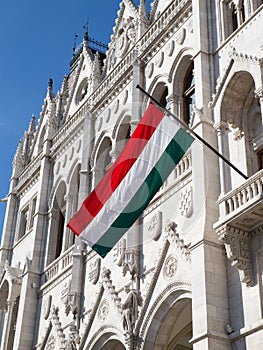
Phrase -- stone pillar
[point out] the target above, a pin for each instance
(259, 95)
(221, 128)
(173, 102)
(7, 324)
(68, 234)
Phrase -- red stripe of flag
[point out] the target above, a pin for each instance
(102, 192)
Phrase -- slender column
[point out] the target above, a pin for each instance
(259, 95)
(68, 234)
(221, 129)
(7, 324)
(173, 102)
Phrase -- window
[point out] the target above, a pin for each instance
(23, 223)
(33, 211)
(260, 160)
(60, 231)
(189, 93)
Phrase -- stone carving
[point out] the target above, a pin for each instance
(159, 59)
(51, 343)
(149, 70)
(130, 263)
(94, 271)
(119, 252)
(47, 307)
(186, 202)
(73, 339)
(173, 237)
(130, 309)
(236, 242)
(107, 283)
(180, 36)
(170, 267)
(103, 310)
(169, 49)
(155, 226)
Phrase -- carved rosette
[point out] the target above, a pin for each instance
(236, 243)
(170, 267)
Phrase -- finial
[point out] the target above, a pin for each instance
(75, 43)
(31, 127)
(50, 84)
(86, 33)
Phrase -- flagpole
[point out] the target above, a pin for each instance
(193, 133)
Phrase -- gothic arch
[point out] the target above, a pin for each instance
(158, 81)
(104, 134)
(71, 170)
(169, 318)
(56, 222)
(123, 115)
(55, 186)
(179, 62)
(106, 338)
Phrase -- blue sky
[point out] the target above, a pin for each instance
(36, 44)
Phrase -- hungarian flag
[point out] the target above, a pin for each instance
(154, 149)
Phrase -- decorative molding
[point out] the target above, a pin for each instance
(239, 56)
(108, 285)
(174, 238)
(236, 243)
(91, 318)
(151, 288)
(220, 84)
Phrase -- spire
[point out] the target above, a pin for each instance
(86, 34)
(49, 89)
(31, 128)
(18, 158)
(143, 21)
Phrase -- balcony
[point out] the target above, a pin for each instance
(241, 218)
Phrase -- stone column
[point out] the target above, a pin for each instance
(173, 102)
(68, 234)
(221, 128)
(259, 95)
(7, 324)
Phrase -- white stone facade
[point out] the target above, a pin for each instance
(188, 274)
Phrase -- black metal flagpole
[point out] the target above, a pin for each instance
(193, 133)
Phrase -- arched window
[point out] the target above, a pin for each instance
(234, 17)
(189, 93)
(103, 159)
(57, 224)
(160, 93)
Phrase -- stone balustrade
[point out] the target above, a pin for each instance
(242, 197)
(59, 265)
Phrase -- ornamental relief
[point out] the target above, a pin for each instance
(154, 227)
(170, 267)
(94, 271)
(103, 310)
(186, 202)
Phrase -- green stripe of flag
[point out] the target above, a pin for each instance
(169, 159)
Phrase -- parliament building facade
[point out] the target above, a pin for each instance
(189, 273)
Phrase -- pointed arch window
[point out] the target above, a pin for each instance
(189, 94)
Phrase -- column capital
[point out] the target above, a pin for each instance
(220, 127)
